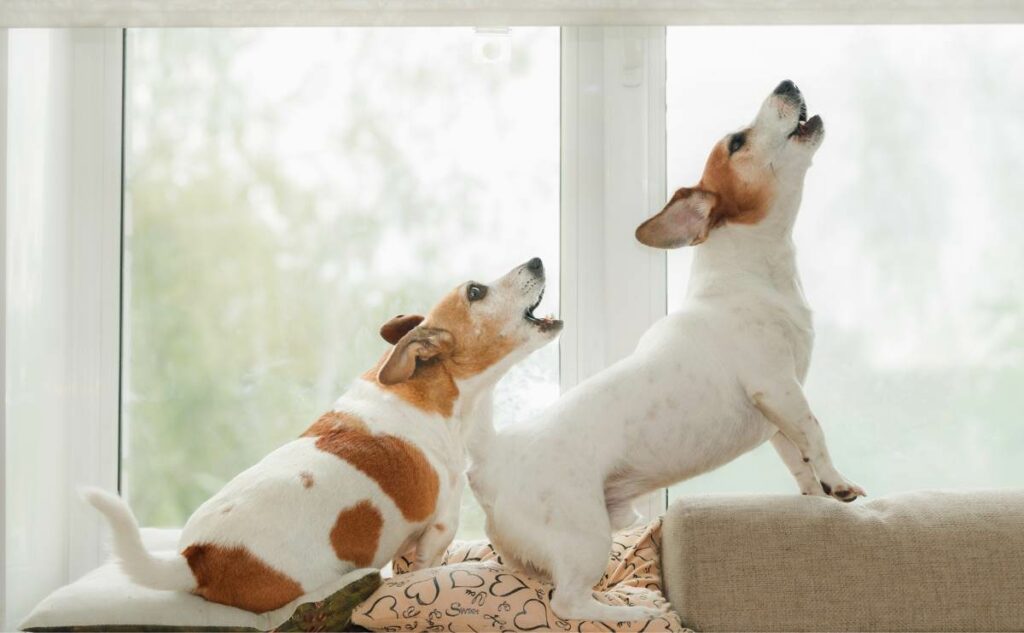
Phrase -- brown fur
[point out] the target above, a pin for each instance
(430, 389)
(307, 479)
(739, 201)
(235, 577)
(356, 533)
(476, 346)
(420, 346)
(731, 198)
(399, 326)
(399, 467)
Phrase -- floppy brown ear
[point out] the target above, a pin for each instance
(684, 221)
(420, 343)
(399, 326)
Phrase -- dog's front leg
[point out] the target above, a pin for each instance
(785, 406)
(438, 535)
(802, 471)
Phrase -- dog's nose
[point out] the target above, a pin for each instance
(535, 264)
(786, 88)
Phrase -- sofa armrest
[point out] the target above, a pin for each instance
(921, 561)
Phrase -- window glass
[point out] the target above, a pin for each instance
(289, 190)
(909, 238)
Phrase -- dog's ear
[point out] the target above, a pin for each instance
(685, 220)
(419, 344)
(399, 326)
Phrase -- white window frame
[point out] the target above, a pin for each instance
(95, 376)
(613, 177)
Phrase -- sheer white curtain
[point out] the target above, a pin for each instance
(61, 130)
(496, 12)
(37, 272)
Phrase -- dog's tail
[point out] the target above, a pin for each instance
(163, 570)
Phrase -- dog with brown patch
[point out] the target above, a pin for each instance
(381, 472)
(704, 385)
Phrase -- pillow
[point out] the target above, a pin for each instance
(106, 600)
(474, 590)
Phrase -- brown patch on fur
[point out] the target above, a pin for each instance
(398, 466)
(307, 479)
(399, 326)
(332, 420)
(356, 533)
(739, 201)
(476, 346)
(431, 388)
(235, 577)
(439, 527)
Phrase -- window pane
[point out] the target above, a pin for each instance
(909, 239)
(287, 191)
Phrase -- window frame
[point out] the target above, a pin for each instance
(613, 177)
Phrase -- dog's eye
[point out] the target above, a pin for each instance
(476, 292)
(736, 142)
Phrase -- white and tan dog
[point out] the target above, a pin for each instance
(384, 470)
(705, 384)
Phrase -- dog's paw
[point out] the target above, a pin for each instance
(845, 491)
(817, 490)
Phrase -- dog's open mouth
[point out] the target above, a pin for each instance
(806, 128)
(544, 324)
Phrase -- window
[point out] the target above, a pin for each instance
(908, 238)
(289, 190)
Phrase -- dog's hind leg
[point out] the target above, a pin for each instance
(802, 472)
(576, 568)
(622, 514)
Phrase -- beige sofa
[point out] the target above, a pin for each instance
(922, 561)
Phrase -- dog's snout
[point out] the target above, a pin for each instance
(787, 89)
(536, 266)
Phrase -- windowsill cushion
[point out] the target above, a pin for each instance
(106, 600)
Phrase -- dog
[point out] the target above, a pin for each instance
(381, 472)
(704, 385)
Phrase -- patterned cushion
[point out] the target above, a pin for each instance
(474, 590)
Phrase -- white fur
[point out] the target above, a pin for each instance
(704, 385)
(156, 570)
(269, 511)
